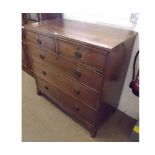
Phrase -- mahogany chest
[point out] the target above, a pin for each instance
(80, 67)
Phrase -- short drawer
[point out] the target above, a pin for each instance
(83, 54)
(72, 68)
(40, 40)
(79, 91)
(66, 101)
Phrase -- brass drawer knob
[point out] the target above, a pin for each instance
(77, 73)
(39, 41)
(77, 92)
(41, 56)
(46, 87)
(78, 54)
(43, 72)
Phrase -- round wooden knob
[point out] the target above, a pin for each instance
(78, 54)
(39, 41)
(41, 56)
(43, 72)
(46, 87)
(77, 92)
(77, 73)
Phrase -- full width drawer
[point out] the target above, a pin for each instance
(69, 67)
(83, 54)
(40, 40)
(67, 101)
(81, 92)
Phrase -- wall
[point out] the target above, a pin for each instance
(129, 103)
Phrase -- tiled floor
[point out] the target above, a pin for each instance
(42, 121)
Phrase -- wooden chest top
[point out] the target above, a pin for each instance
(98, 35)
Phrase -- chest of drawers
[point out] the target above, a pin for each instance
(80, 67)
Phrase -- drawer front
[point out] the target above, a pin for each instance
(77, 90)
(40, 40)
(83, 54)
(69, 67)
(68, 102)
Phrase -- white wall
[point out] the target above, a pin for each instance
(129, 103)
(118, 19)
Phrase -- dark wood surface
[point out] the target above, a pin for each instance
(24, 56)
(33, 37)
(47, 16)
(68, 85)
(80, 66)
(102, 36)
(72, 68)
(40, 40)
(82, 54)
(27, 17)
(116, 70)
(66, 100)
